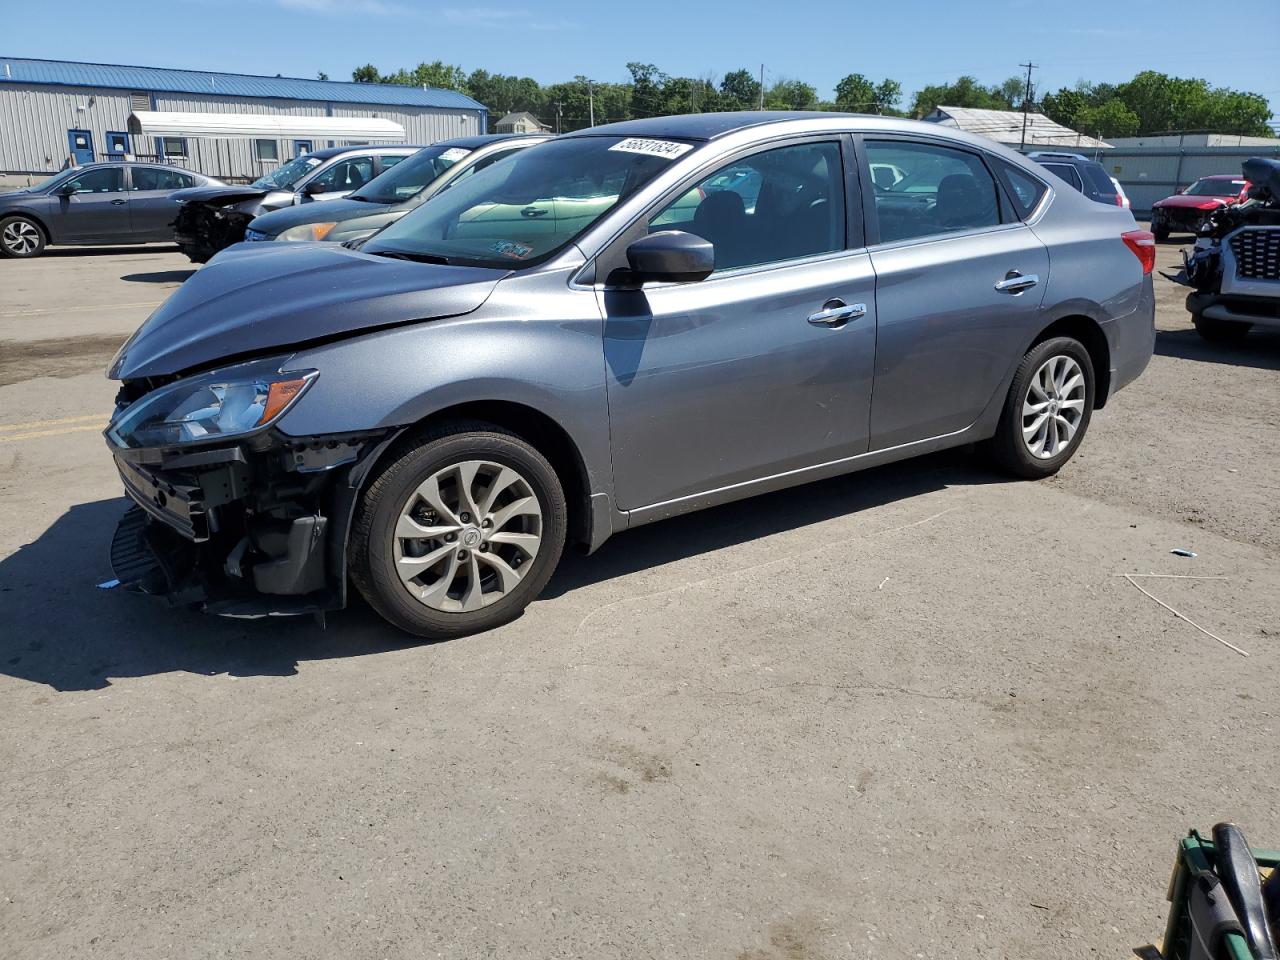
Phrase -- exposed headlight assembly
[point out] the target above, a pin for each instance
(231, 402)
(308, 231)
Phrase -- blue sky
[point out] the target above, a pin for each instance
(819, 41)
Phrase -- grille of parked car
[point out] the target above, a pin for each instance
(1257, 253)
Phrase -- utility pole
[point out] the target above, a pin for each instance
(591, 103)
(558, 117)
(1026, 100)
(762, 86)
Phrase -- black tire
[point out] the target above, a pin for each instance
(1008, 448)
(1161, 234)
(21, 238)
(371, 561)
(1220, 331)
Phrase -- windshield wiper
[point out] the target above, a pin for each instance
(414, 257)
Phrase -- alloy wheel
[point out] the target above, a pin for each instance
(1053, 408)
(20, 238)
(467, 535)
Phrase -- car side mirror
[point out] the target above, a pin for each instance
(67, 190)
(670, 256)
(315, 187)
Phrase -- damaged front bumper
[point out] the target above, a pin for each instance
(202, 229)
(245, 529)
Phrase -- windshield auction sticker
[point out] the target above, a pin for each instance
(454, 153)
(653, 148)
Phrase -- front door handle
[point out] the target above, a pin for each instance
(533, 212)
(836, 313)
(117, 203)
(1015, 283)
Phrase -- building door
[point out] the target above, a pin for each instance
(300, 147)
(80, 143)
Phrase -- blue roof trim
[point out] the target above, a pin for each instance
(165, 80)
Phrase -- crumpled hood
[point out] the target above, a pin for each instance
(221, 195)
(278, 221)
(1182, 201)
(256, 297)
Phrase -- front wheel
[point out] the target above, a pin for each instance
(20, 238)
(1220, 331)
(1047, 410)
(460, 533)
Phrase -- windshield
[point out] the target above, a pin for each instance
(1215, 188)
(529, 206)
(407, 178)
(283, 178)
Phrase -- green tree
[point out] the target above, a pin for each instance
(856, 94)
(438, 74)
(791, 95)
(321, 75)
(965, 92)
(1065, 107)
(739, 90)
(1110, 119)
(1010, 93)
(366, 74)
(647, 90)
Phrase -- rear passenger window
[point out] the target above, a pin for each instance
(1067, 173)
(781, 204)
(1025, 189)
(938, 190)
(151, 178)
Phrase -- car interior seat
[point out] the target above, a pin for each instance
(721, 218)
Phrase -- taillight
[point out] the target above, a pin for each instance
(1119, 200)
(1143, 245)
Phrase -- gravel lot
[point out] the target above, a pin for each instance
(911, 713)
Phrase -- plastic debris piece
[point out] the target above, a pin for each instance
(1180, 552)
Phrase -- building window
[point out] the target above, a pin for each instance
(266, 149)
(173, 147)
(117, 144)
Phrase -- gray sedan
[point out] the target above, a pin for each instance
(617, 326)
(97, 203)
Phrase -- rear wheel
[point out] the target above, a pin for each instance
(20, 238)
(1160, 233)
(1047, 410)
(1220, 331)
(460, 533)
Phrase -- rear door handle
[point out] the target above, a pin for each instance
(836, 313)
(533, 212)
(118, 203)
(1014, 282)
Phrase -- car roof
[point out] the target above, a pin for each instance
(138, 163)
(702, 126)
(326, 153)
(484, 139)
(1054, 155)
(1223, 176)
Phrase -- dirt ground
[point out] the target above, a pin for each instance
(912, 713)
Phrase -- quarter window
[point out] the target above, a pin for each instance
(773, 206)
(266, 149)
(153, 178)
(1025, 189)
(102, 180)
(940, 190)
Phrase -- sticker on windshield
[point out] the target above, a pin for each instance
(653, 148)
(454, 154)
(512, 248)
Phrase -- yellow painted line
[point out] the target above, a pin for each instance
(51, 433)
(38, 424)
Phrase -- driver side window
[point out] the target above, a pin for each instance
(349, 174)
(769, 207)
(102, 180)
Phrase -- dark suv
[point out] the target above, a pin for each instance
(1087, 176)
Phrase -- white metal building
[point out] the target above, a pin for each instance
(52, 110)
(1006, 126)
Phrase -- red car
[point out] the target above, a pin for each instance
(1184, 212)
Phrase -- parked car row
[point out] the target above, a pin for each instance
(600, 330)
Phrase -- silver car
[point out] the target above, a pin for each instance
(110, 202)
(611, 328)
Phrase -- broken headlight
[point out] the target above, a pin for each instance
(225, 403)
